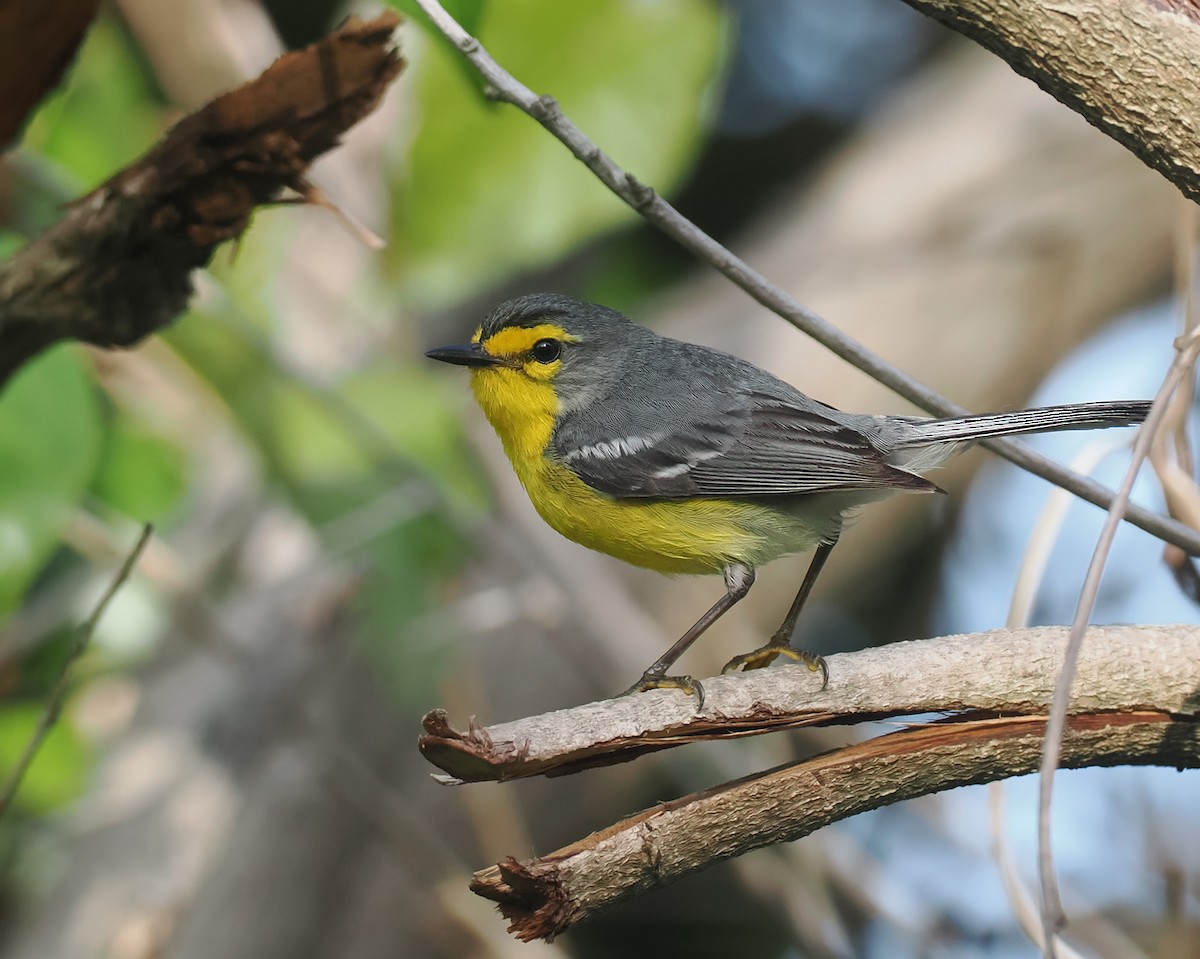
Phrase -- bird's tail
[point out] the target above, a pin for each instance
(1045, 419)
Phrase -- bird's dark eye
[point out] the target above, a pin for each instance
(546, 351)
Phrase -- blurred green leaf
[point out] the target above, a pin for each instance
(403, 580)
(239, 373)
(370, 463)
(393, 419)
(59, 771)
(49, 443)
(104, 116)
(489, 191)
(418, 413)
(469, 14)
(140, 473)
(10, 242)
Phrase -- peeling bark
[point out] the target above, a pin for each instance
(542, 897)
(118, 266)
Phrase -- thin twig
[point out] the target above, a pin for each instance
(1046, 532)
(1171, 455)
(1034, 563)
(1188, 348)
(58, 693)
(504, 87)
(1019, 899)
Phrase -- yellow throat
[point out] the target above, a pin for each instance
(671, 536)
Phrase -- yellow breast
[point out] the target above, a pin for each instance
(671, 536)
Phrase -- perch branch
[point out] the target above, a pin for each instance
(1120, 64)
(504, 87)
(118, 266)
(541, 897)
(1010, 672)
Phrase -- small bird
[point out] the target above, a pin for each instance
(683, 459)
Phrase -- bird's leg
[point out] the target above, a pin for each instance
(780, 644)
(738, 580)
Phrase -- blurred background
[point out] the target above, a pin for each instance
(341, 546)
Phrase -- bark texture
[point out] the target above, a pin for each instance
(118, 266)
(1127, 66)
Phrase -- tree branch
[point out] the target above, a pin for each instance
(118, 266)
(541, 897)
(1123, 65)
(506, 88)
(1008, 671)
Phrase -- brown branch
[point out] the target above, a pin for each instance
(118, 266)
(1126, 66)
(38, 40)
(503, 86)
(541, 897)
(1010, 672)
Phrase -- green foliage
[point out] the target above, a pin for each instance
(104, 116)
(375, 464)
(417, 411)
(374, 459)
(10, 242)
(49, 444)
(140, 474)
(469, 13)
(59, 771)
(488, 192)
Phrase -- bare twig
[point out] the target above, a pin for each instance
(1188, 348)
(1004, 671)
(504, 87)
(541, 897)
(58, 692)
(1024, 908)
(1032, 570)
(1171, 454)
(1046, 531)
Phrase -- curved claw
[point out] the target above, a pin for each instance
(692, 687)
(765, 655)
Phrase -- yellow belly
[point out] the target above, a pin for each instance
(671, 536)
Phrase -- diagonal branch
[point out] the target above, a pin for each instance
(1010, 672)
(504, 87)
(118, 266)
(1123, 65)
(58, 692)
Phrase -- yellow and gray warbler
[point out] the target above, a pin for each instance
(683, 459)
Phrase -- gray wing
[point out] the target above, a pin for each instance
(768, 440)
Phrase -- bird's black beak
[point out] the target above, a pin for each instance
(465, 354)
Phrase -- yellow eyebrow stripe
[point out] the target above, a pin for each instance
(514, 341)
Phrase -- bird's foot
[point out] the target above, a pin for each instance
(651, 680)
(768, 652)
